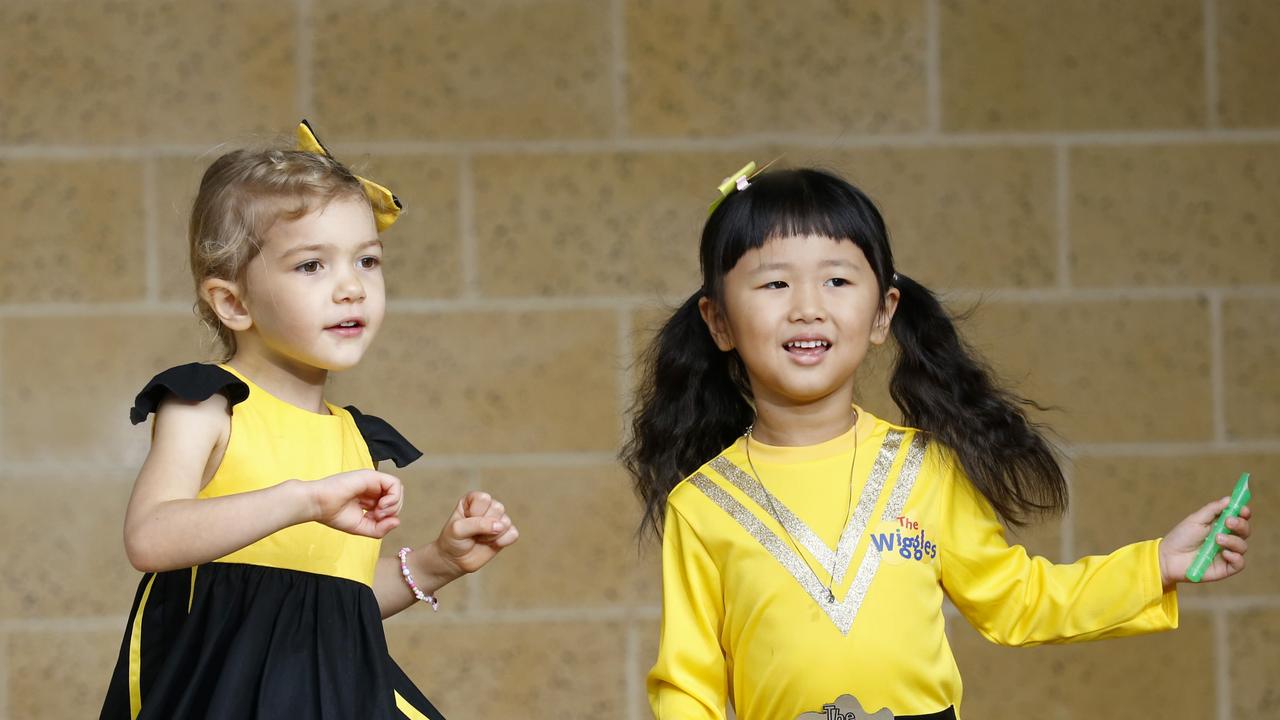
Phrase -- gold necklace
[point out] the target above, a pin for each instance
(773, 510)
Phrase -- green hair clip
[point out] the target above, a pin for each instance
(386, 206)
(740, 180)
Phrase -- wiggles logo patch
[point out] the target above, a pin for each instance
(846, 707)
(903, 539)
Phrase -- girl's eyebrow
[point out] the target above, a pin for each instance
(831, 262)
(318, 247)
(841, 263)
(314, 247)
(766, 267)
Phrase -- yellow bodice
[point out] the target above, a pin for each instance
(272, 441)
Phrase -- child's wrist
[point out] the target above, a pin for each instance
(425, 594)
(432, 568)
(298, 496)
(1167, 582)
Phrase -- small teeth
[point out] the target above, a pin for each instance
(348, 323)
(808, 344)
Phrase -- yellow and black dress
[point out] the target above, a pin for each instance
(288, 626)
(748, 555)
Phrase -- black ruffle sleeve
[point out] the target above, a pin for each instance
(384, 441)
(194, 382)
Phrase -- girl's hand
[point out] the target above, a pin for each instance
(360, 502)
(1181, 544)
(478, 528)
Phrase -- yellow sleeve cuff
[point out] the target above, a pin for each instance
(1162, 614)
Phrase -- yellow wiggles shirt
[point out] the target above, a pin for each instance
(745, 611)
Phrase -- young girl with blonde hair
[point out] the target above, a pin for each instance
(258, 513)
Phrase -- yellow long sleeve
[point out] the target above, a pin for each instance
(689, 680)
(1013, 599)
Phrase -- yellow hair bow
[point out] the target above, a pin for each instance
(386, 206)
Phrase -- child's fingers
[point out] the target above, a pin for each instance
(496, 510)
(476, 526)
(477, 503)
(460, 510)
(1235, 543)
(1206, 514)
(392, 486)
(360, 484)
(392, 497)
(508, 537)
(381, 484)
(1240, 528)
(374, 528)
(365, 486)
(500, 523)
(384, 526)
(1233, 560)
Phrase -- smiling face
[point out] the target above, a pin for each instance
(314, 295)
(801, 311)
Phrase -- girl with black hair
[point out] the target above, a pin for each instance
(807, 545)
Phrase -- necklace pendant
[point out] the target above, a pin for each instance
(831, 597)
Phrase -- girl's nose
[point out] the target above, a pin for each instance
(806, 305)
(349, 289)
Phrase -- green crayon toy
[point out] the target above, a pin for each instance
(1239, 497)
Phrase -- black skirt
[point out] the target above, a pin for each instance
(227, 640)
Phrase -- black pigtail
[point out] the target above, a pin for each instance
(688, 408)
(945, 389)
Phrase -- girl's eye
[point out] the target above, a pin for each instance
(837, 282)
(775, 285)
(309, 267)
(370, 262)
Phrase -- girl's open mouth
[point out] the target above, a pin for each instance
(347, 328)
(807, 349)
(807, 346)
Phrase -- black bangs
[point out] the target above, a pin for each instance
(785, 203)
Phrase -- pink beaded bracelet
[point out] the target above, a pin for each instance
(408, 578)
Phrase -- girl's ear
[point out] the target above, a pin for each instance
(880, 327)
(224, 297)
(714, 318)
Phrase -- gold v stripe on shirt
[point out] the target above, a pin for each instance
(841, 613)
(858, 518)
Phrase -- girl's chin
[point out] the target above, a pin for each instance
(340, 365)
(329, 362)
(798, 396)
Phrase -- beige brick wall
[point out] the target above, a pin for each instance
(1101, 175)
